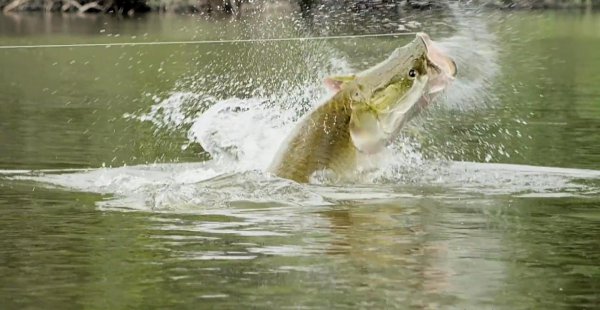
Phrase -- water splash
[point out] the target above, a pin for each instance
(240, 117)
(202, 187)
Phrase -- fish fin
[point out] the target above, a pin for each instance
(436, 88)
(334, 83)
(365, 131)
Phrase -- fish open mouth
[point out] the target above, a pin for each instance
(445, 67)
(379, 128)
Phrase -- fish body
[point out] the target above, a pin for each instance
(321, 140)
(367, 110)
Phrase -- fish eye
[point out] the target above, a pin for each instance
(412, 73)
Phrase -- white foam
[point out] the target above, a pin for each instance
(202, 187)
(243, 134)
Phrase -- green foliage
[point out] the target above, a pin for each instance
(229, 6)
(120, 6)
(542, 4)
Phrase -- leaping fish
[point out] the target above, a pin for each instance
(368, 109)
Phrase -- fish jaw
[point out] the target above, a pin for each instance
(446, 67)
(383, 113)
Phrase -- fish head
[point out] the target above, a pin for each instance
(383, 98)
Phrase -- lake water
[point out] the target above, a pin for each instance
(490, 200)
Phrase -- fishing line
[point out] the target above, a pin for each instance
(375, 35)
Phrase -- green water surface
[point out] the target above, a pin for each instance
(63, 108)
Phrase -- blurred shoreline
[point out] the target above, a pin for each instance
(240, 7)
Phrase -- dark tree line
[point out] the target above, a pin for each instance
(79, 6)
(542, 4)
(233, 6)
(123, 7)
